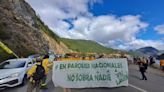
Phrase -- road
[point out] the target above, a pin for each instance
(155, 83)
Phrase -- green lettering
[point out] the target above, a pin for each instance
(62, 66)
(71, 77)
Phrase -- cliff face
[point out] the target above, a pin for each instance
(20, 30)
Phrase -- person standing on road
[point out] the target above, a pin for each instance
(36, 73)
(46, 64)
(145, 62)
(142, 70)
(151, 60)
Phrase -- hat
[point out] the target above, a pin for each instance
(38, 59)
(46, 56)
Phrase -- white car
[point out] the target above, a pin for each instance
(13, 72)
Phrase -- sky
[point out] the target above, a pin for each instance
(119, 24)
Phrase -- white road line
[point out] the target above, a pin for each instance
(142, 90)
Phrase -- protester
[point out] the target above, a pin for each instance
(142, 69)
(46, 65)
(162, 64)
(151, 60)
(135, 60)
(36, 73)
(145, 62)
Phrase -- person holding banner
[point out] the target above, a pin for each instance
(46, 65)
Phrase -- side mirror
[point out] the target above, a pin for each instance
(29, 65)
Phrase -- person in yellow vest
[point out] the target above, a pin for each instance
(46, 65)
(35, 74)
(162, 64)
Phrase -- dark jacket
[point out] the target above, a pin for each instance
(142, 68)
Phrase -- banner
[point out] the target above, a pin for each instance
(97, 73)
(5, 48)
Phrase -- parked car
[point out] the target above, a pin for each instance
(13, 72)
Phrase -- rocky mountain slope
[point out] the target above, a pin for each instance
(23, 32)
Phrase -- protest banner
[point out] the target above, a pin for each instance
(98, 73)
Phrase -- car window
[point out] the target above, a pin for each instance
(12, 64)
(29, 63)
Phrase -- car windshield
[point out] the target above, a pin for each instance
(12, 64)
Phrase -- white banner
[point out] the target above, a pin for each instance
(84, 74)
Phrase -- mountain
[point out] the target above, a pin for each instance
(161, 56)
(148, 51)
(23, 32)
(86, 46)
(161, 52)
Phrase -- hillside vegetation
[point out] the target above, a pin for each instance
(86, 46)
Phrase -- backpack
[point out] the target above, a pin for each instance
(145, 66)
(39, 73)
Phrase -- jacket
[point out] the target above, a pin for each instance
(31, 71)
(45, 64)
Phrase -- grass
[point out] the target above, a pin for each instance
(86, 46)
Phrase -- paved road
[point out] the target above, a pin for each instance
(155, 83)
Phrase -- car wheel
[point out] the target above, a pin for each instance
(24, 81)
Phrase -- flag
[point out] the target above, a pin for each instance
(5, 48)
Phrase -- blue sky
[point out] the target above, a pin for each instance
(121, 24)
(151, 11)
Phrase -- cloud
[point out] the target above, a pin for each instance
(136, 44)
(109, 30)
(72, 19)
(143, 43)
(160, 29)
(117, 28)
(61, 9)
(53, 13)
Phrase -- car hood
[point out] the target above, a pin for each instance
(7, 72)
